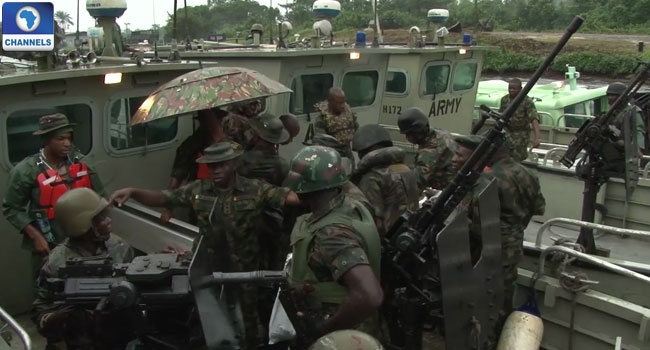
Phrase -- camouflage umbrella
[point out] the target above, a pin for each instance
(206, 88)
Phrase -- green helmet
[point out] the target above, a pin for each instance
(348, 339)
(76, 209)
(412, 120)
(315, 168)
(616, 88)
(368, 136)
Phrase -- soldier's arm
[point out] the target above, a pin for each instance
(338, 247)
(278, 197)
(534, 121)
(363, 297)
(146, 197)
(640, 129)
(17, 196)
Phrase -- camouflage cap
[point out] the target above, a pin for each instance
(53, 122)
(315, 168)
(469, 141)
(270, 128)
(221, 152)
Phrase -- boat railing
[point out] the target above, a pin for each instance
(11, 323)
(588, 258)
(563, 117)
(545, 118)
(555, 221)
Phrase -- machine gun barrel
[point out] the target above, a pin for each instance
(593, 129)
(253, 277)
(432, 219)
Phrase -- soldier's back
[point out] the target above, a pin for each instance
(433, 161)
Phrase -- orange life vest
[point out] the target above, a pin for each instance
(53, 186)
(202, 170)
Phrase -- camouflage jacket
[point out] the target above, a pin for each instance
(388, 184)
(433, 161)
(352, 191)
(265, 165)
(519, 194)
(630, 109)
(235, 127)
(184, 167)
(523, 116)
(341, 126)
(335, 250)
(20, 202)
(44, 304)
(229, 220)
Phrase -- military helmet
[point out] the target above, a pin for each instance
(76, 209)
(315, 168)
(616, 88)
(348, 339)
(469, 141)
(368, 136)
(412, 120)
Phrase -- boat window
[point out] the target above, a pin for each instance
(124, 136)
(22, 123)
(309, 89)
(360, 87)
(436, 79)
(396, 82)
(574, 115)
(465, 75)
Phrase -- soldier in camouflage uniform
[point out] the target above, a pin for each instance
(336, 248)
(85, 219)
(436, 148)
(614, 90)
(185, 169)
(38, 181)
(383, 177)
(520, 198)
(521, 122)
(237, 122)
(337, 119)
(229, 208)
(261, 159)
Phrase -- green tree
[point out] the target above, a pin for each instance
(63, 19)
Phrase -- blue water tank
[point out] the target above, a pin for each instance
(438, 15)
(326, 8)
(106, 8)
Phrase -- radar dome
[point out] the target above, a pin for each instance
(106, 8)
(438, 15)
(326, 8)
(323, 26)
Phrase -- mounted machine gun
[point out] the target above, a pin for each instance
(602, 158)
(428, 275)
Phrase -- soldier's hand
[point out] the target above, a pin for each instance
(41, 247)
(119, 197)
(173, 250)
(166, 215)
(536, 143)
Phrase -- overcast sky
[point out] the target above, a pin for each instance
(140, 14)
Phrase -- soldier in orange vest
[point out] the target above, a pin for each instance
(39, 180)
(185, 169)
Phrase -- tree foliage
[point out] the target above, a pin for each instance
(230, 16)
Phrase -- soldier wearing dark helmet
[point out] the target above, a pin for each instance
(336, 248)
(436, 148)
(383, 177)
(627, 110)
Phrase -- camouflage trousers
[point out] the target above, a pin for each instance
(511, 254)
(517, 143)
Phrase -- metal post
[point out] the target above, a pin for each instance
(77, 36)
(272, 22)
(586, 238)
